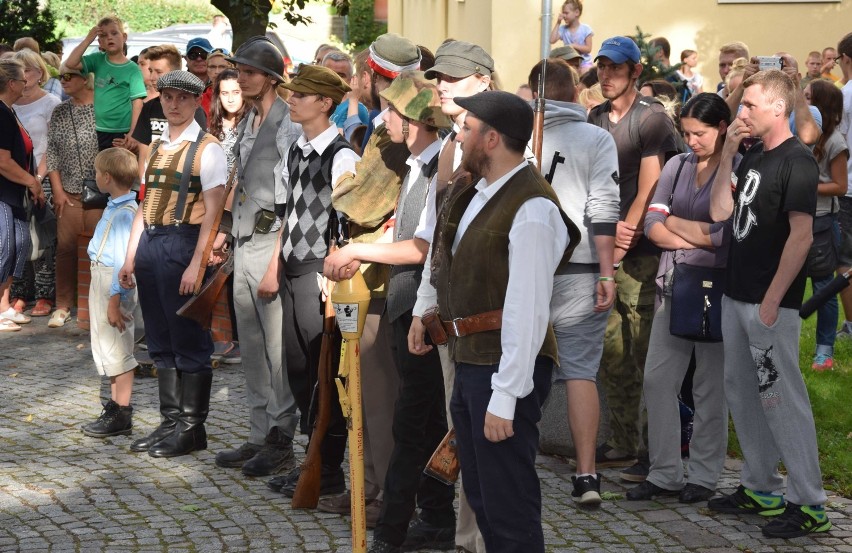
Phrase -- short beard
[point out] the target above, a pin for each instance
(476, 162)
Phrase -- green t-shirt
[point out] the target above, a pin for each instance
(115, 87)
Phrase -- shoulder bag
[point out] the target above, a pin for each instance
(91, 196)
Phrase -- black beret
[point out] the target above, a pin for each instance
(503, 111)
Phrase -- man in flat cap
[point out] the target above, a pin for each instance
(419, 421)
(183, 181)
(314, 163)
(264, 137)
(505, 237)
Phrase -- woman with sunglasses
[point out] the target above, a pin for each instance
(17, 179)
(34, 109)
(72, 145)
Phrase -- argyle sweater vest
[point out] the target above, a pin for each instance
(306, 218)
(162, 186)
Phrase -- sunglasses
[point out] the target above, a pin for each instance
(197, 55)
(67, 76)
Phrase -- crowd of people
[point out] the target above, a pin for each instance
(501, 257)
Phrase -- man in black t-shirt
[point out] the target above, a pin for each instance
(773, 202)
(642, 153)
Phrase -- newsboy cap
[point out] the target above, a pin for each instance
(181, 80)
(390, 54)
(417, 99)
(505, 112)
(313, 79)
(461, 59)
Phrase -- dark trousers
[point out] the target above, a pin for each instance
(105, 139)
(303, 316)
(419, 425)
(161, 259)
(500, 480)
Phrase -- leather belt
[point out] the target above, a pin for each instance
(483, 322)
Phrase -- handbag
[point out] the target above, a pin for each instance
(42, 223)
(696, 300)
(91, 196)
(822, 257)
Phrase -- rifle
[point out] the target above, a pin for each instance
(306, 495)
(199, 307)
(538, 116)
(444, 464)
(824, 294)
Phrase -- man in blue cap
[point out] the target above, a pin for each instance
(645, 138)
(197, 50)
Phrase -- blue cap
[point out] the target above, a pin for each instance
(619, 49)
(199, 42)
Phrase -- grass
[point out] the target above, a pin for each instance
(830, 393)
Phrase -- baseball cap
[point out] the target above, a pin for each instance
(199, 42)
(619, 49)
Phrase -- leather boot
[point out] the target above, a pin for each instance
(275, 456)
(189, 434)
(169, 384)
(115, 420)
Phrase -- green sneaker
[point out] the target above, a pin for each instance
(797, 521)
(745, 500)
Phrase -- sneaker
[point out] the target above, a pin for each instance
(745, 500)
(636, 473)
(648, 490)
(845, 330)
(797, 521)
(822, 362)
(693, 493)
(587, 490)
(607, 456)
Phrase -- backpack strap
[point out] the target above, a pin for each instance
(186, 175)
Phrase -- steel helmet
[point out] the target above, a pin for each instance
(260, 53)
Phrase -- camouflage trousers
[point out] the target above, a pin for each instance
(625, 347)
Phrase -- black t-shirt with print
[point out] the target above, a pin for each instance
(770, 184)
(152, 121)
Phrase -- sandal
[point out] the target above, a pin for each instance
(17, 318)
(42, 308)
(59, 318)
(8, 326)
(18, 304)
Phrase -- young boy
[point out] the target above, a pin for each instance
(119, 86)
(110, 305)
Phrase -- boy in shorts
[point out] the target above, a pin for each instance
(110, 305)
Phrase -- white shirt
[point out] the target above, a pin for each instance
(415, 167)
(537, 241)
(343, 161)
(846, 129)
(214, 163)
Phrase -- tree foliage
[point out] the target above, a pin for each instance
(652, 68)
(363, 28)
(25, 18)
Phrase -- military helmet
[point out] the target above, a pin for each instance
(260, 53)
(417, 99)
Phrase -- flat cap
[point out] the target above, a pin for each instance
(461, 59)
(181, 80)
(619, 49)
(417, 99)
(390, 54)
(313, 79)
(505, 112)
(566, 53)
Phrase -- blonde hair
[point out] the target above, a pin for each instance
(51, 59)
(591, 97)
(26, 42)
(88, 77)
(34, 61)
(737, 69)
(737, 48)
(120, 164)
(10, 69)
(777, 85)
(112, 19)
(576, 4)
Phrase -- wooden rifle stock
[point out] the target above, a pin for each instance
(214, 230)
(444, 464)
(199, 307)
(306, 495)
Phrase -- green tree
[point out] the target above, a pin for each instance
(363, 28)
(24, 18)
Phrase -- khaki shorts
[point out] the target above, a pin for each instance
(112, 350)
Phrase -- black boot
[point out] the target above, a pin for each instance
(169, 383)
(115, 420)
(189, 434)
(275, 456)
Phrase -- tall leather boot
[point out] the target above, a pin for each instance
(189, 435)
(169, 384)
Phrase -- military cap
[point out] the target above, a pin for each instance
(503, 111)
(566, 53)
(313, 79)
(461, 59)
(390, 54)
(417, 99)
(181, 80)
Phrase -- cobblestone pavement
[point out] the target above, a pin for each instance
(62, 491)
